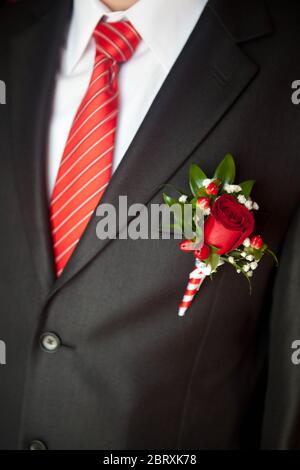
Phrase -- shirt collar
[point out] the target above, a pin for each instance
(164, 26)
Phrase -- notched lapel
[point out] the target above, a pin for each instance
(34, 58)
(209, 76)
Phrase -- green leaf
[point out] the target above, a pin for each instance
(202, 192)
(247, 187)
(213, 249)
(235, 253)
(214, 261)
(194, 202)
(226, 170)
(169, 200)
(196, 179)
(257, 254)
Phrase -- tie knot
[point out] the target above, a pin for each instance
(117, 40)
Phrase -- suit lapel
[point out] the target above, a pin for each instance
(209, 76)
(34, 59)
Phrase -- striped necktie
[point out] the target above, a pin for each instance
(86, 165)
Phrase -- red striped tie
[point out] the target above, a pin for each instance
(85, 168)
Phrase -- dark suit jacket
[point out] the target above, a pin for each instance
(130, 374)
(282, 407)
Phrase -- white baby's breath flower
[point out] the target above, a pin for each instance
(253, 265)
(249, 258)
(242, 199)
(244, 254)
(227, 188)
(183, 198)
(206, 182)
(231, 259)
(246, 242)
(232, 188)
(207, 211)
(238, 271)
(250, 274)
(248, 204)
(255, 206)
(246, 268)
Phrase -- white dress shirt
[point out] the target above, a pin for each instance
(164, 25)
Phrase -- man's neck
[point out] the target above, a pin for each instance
(119, 5)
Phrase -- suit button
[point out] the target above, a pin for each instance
(37, 445)
(50, 342)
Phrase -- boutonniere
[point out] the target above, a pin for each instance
(222, 222)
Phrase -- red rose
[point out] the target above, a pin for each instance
(212, 189)
(203, 253)
(229, 224)
(203, 202)
(256, 242)
(187, 245)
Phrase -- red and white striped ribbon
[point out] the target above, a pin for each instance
(196, 278)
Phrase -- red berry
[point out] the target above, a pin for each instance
(203, 202)
(212, 189)
(187, 245)
(203, 253)
(256, 242)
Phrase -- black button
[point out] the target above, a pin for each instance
(37, 445)
(50, 342)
